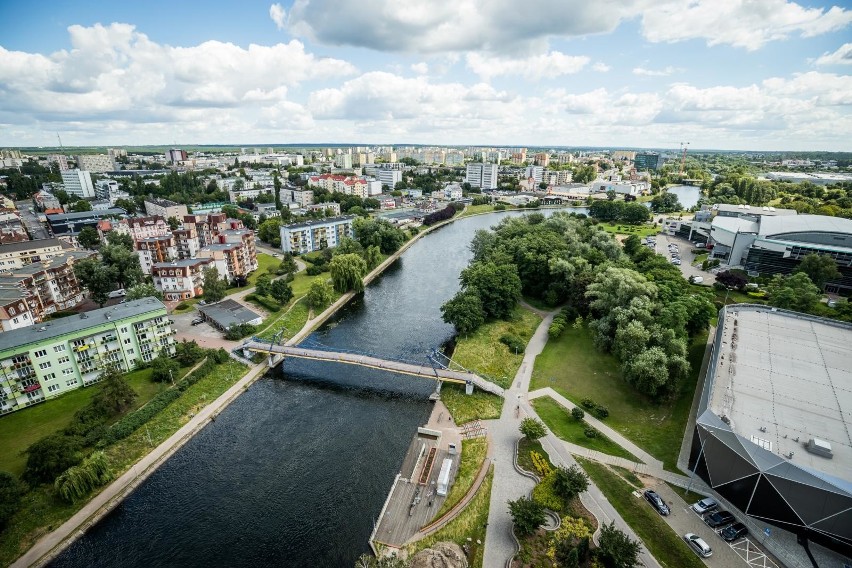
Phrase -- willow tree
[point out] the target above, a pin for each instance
(347, 272)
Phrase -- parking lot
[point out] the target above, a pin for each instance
(687, 258)
(204, 334)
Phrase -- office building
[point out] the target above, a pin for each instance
(647, 161)
(536, 173)
(389, 177)
(483, 176)
(78, 183)
(44, 361)
(315, 235)
(70, 224)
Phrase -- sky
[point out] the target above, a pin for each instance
(719, 74)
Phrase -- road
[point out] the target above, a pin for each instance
(30, 220)
(687, 258)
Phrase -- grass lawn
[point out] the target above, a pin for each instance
(42, 512)
(21, 429)
(190, 305)
(469, 524)
(561, 423)
(474, 209)
(472, 456)
(483, 353)
(464, 408)
(573, 367)
(737, 297)
(644, 230)
(525, 447)
(660, 540)
(302, 283)
(264, 261)
(688, 498)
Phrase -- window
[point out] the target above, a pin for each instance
(53, 388)
(15, 320)
(45, 365)
(59, 348)
(40, 353)
(50, 376)
(11, 311)
(63, 360)
(68, 371)
(123, 330)
(71, 383)
(130, 351)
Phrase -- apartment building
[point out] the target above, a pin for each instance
(389, 177)
(186, 242)
(97, 163)
(165, 208)
(315, 235)
(181, 279)
(41, 362)
(302, 197)
(142, 227)
(481, 175)
(16, 255)
(155, 249)
(201, 225)
(78, 183)
(238, 195)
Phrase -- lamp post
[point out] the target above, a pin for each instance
(171, 377)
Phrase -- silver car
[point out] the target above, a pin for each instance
(697, 544)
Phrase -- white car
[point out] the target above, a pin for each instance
(705, 505)
(697, 544)
(676, 262)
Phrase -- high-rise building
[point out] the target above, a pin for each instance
(535, 172)
(542, 159)
(647, 161)
(78, 183)
(97, 163)
(176, 155)
(483, 176)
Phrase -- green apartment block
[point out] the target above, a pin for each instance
(43, 361)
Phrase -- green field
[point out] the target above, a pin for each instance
(466, 407)
(660, 540)
(483, 353)
(625, 229)
(475, 210)
(561, 423)
(19, 430)
(573, 367)
(264, 261)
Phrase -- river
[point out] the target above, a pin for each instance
(688, 195)
(294, 472)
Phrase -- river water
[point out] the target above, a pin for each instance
(294, 472)
(688, 195)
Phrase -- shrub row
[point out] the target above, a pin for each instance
(599, 411)
(267, 303)
(513, 342)
(540, 464)
(438, 216)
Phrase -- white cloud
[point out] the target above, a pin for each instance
(666, 71)
(843, 56)
(534, 67)
(601, 67)
(278, 15)
(420, 68)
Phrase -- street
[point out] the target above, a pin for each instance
(30, 220)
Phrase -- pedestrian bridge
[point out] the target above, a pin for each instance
(424, 371)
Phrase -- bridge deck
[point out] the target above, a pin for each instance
(423, 371)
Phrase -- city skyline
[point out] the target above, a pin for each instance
(769, 75)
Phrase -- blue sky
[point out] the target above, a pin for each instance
(726, 74)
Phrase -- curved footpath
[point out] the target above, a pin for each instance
(509, 484)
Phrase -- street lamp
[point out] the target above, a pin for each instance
(171, 377)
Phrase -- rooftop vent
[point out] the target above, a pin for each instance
(42, 328)
(84, 316)
(819, 447)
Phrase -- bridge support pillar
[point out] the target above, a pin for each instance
(468, 387)
(247, 354)
(274, 359)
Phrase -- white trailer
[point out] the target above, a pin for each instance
(444, 477)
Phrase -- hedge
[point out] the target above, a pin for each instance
(269, 304)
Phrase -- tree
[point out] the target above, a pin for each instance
(611, 195)
(347, 272)
(97, 278)
(577, 413)
(214, 287)
(584, 174)
(164, 369)
(80, 206)
(143, 290)
(820, 269)
(648, 371)
(89, 238)
(188, 353)
(125, 262)
(10, 496)
(665, 202)
(62, 196)
(527, 515)
(796, 292)
(372, 256)
(120, 239)
(464, 311)
(115, 395)
(319, 294)
(50, 456)
(174, 223)
(127, 204)
(730, 279)
(288, 264)
(270, 232)
(532, 428)
(261, 287)
(281, 291)
(498, 287)
(616, 549)
(568, 482)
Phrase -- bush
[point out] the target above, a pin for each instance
(555, 330)
(588, 403)
(50, 456)
(513, 342)
(237, 332)
(500, 207)
(188, 353)
(10, 496)
(267, 303)
(600, 411)
(590, 432)
(183, 306)
(545, 494)
(164, 369)
(540, 464)
(577, 413)
(313, 270)
(438, 216)
(532, 428)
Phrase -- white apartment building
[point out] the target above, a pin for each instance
(142, 227)
(483, 176)
(181, 279)
(237, 195)
(78, 183)
(315, 235)
(16, 255)
(97, 163)
(389, 177)
(535, 172)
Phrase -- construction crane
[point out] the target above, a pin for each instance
(683, 148)
(60, 142)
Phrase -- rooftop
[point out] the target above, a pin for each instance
(783, 378)
(162, 202)
(86, 215)
(805, 223)
(226, 313)
(181, 263)
(38, 333)
(30, 245)
(320, 222)
(756, 210)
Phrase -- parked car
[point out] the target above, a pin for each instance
(697, 279)
(676, 261)
(657, 502)
(197, 321)
(117, 293)
(705, 505)
(734, 532)
(719, 519)
(697, 544)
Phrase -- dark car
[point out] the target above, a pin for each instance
(719, 519)
(657, 502)
(734, 532)
(197, 321)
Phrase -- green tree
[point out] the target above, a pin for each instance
(648, 371)
(796, 292)
(81, 206)
(214, 287)
(143, 290)
(120, 239)
(114, 395)
(127, 204)
(616, 549)
(164, 369)
(464, 311)
(97, 278)
(532, 428)
(568, 482)
(50, 456)
(270, 232)
(128, 272)
(62, 196)
(498, 287)
(10, 496)
(820, 269)
(611, 195)
(281, 291)
(527, 515)
(89, 238)
(261, 287)
(188, 353)
(319, 294)
(174, 223)
(288, 265)
(584, 174)
(372, 256)
(347, 272)
(665, 202)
